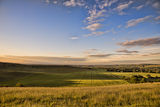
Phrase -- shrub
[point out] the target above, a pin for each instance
(4, 85)
(134, 79)
(19, 85)
(149, 76)
(143, 80)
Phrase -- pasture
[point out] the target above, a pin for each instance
(62, 76)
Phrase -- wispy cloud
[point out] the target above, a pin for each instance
(106, 3)
(55, 2)
(139, 7)
(99, 33)
(74, 38)
(95, 34)
(99, 55)
(47, 1)
(73, 3)
(152, 54)
(126, 51)
(123, 6)
(142, 42)
(94, 14)
(156, 4)
(148, 61)
(43, 60)
(157, 18)
(93, 26)
(134, 22)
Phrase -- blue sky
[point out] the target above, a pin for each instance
(80, 31)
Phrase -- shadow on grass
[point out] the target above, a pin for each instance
(33, 79)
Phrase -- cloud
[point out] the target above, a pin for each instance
(94, 14)
(74, 37)
(93, 26)
(134, 22)
(156, 4)
(139, 7)
(55, 2)
(98, 33)
(127, 51)
(98, 10)
(152, 54)
(47, 1)
(73, 3)
(149, 61)
(123, 6)
(142, 42)
(95, 34)
(99, 55)
(43, 60)
(107, 3)
(95, 53)
(97, 14)
(119, 26)
(157, 18)
(123, 54)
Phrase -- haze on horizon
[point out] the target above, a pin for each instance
(80, 31)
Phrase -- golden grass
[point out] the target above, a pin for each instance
(134, 95)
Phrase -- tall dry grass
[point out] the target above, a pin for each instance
(134, 95)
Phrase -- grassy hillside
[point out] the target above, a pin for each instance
(61, 76)
(82, 86)
(132, 95)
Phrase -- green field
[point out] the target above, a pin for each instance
(62, 76)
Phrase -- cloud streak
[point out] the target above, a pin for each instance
(43, 60)
(139, 7)
(94, 26)
(126, 51)
(134, 22)
(157, 18)
(74, 38)
(123, 6)
(156, 4)
(73, 3)
(99, 55)
(141, 42)
(149, 61)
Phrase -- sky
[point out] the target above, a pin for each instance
(80, 32)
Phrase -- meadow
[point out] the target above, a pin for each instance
(61, 76)
(76, 86)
